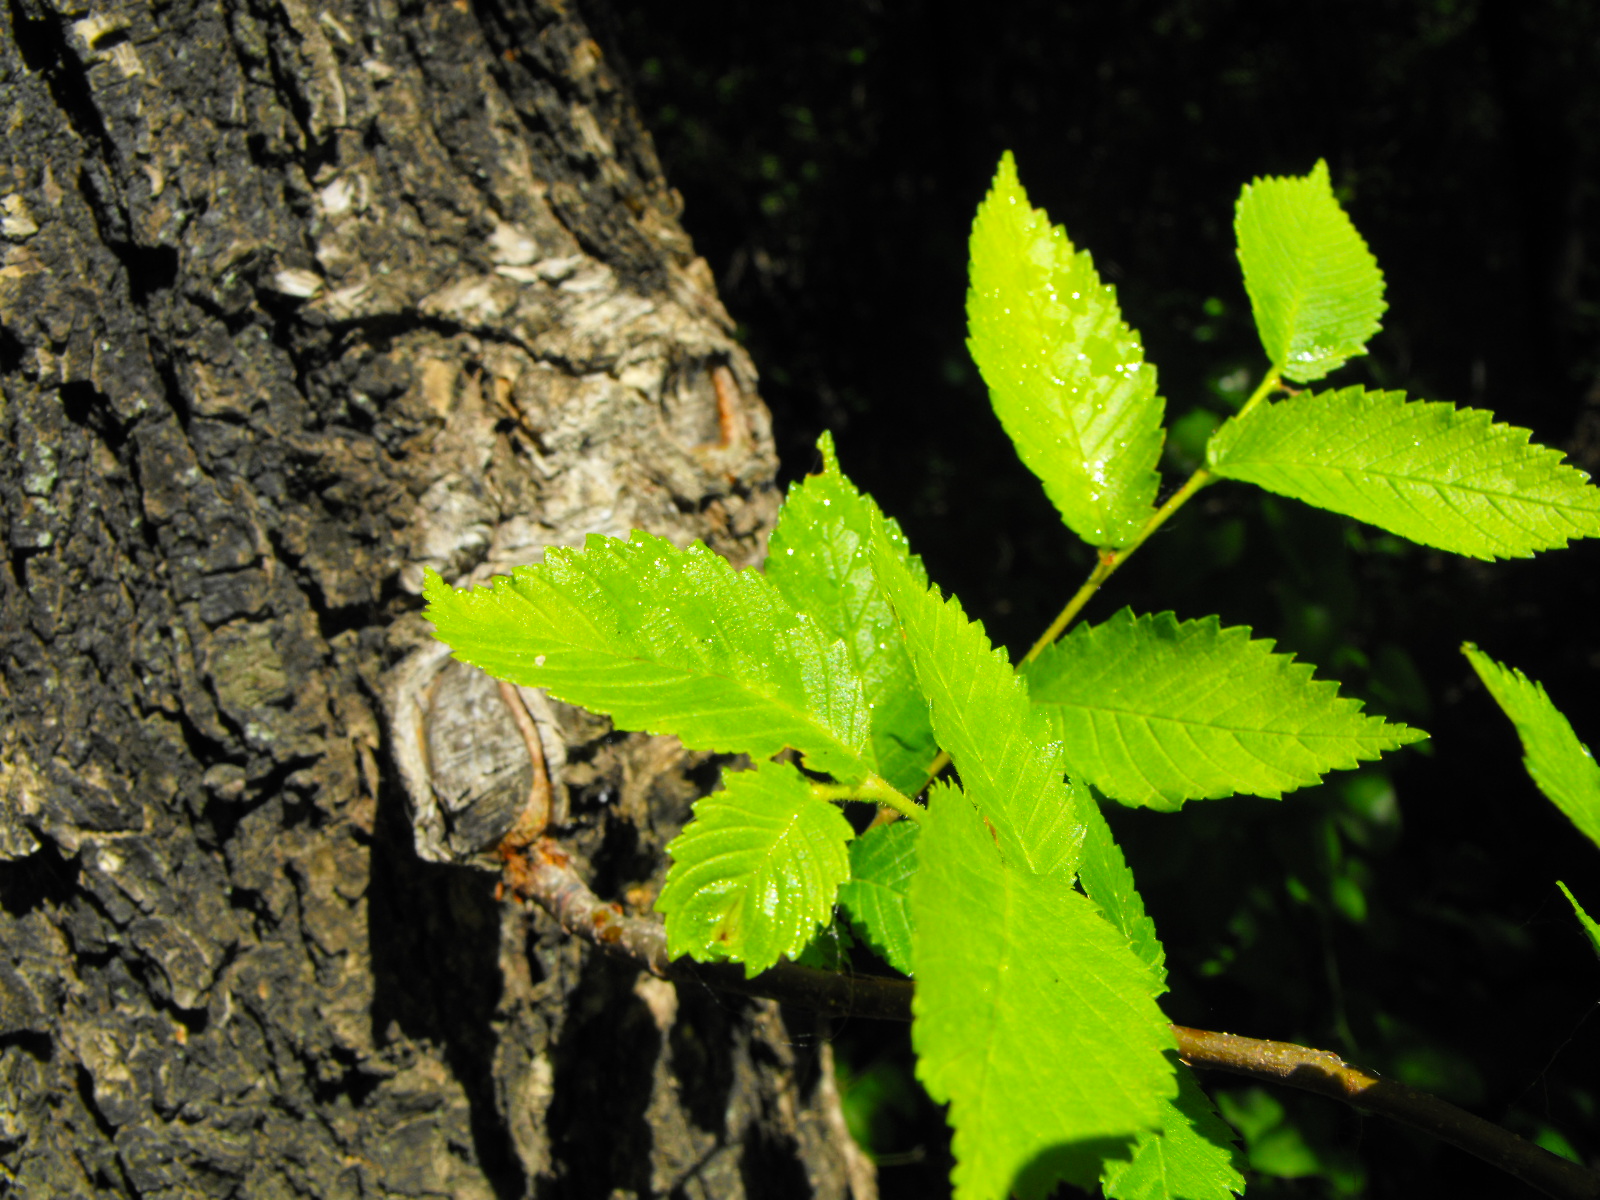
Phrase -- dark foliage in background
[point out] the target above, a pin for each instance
(831, 154)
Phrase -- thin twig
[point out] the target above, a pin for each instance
(542, 873)
(1327, 1074)
(535, 814)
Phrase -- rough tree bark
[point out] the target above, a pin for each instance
(296, 300)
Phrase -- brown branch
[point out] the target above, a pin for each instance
(543, 874)
(1327, 1074)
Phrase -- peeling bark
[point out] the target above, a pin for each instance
(295, 302)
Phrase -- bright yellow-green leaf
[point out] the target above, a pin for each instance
(1439, 475)
(1193, 1157)
(1032, 1019)
(1066, 376)
(666, 641)
(820, 561)
(754, 874)
(1315, 287)
(1155, 711)
(1590, 926)
(1561, 766)
(1009, 761)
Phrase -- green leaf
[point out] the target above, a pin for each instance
(1591, 927)
(1439, 475)
(819, 560)
(1193, 1157)
(667, 641)
(1009, 763)
(1104, 876)
(1155, 711)
(1066, 376)
(883, 861)
(1032, 1018)
(1315, 287)
(754, 874)
(1561, 766)
(828, 949)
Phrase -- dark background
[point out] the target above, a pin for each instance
(831, 155)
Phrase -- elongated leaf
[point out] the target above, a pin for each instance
(1066, 376)
(1155, 711)
(1104, 876)
(1193, 1157)
(755, 873)
(667, 641)
(1561, 766)
(819, 558)
(1590, 926)
(876, 898)
(1439, 475)
(1315, 287)
(1032, 1019)
(1009, 762)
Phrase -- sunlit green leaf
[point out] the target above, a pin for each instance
(1009, 761)
(1315, 287)
(1439, 475)
(1155, 711)
(1193, 1157)
(755, 873)
(1590, 926)
(1104, 875)
(1066, 376)
(1561, 766)
(666, 641)
(1032, 1019)
(820, 561)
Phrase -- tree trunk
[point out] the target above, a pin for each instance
(295, 301)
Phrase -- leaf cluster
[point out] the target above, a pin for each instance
(847, 678)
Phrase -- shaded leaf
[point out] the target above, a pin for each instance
(1439, 475)
(1315, 288)
(1155, 711)
(819, 560)
(667, 641)
(1561, 766)
(876, 898)
(1032, 1019)
(755, 873)
(1066, 376)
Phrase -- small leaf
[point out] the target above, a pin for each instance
(1032, 1019)
(1104, 876)
(1315, 287)
(1066, 376)
(1427, 471)
(819, 560)
(754, 874)
(666, 641)
(1155, 711)
(1009, 763)
(1590, 926)
(1561, 766)
(876, 897)
(1193, 1157)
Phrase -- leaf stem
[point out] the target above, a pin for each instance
(874, 789)
(1111, 559)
